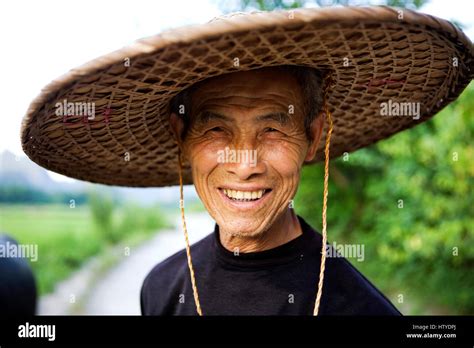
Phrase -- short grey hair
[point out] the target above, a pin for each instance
(310, 80)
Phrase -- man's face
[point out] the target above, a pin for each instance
(258, 114)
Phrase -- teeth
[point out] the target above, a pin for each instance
(244, 195)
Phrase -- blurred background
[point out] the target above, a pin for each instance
(408, 199)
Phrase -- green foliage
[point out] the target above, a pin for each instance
(136, 218)
(66, 237)
(425, 248)
(114, 221)
(269, 5)
(29, 195)
(102, 208)
(17, 194)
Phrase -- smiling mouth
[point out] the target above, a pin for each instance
(244, 196)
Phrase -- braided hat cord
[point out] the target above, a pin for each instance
(186, 238)
(329, 81)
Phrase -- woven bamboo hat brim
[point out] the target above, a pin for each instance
(375, 55)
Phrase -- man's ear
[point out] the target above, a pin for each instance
(316, 130)
(176, 125)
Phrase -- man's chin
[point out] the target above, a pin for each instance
(243, 228)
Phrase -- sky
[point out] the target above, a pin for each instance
(43, 39)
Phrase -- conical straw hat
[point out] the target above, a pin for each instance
(375, 55)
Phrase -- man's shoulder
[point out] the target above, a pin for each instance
(169, 278)
(353, 293)
(348, 291)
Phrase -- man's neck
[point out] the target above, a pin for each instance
(283, 230)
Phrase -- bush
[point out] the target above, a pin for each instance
(143, 219)
(115, 221)
(102, 208)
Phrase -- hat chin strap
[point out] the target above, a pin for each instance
(328, 83)
(186, 238)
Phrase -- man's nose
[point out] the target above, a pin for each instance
(245, 171)
(243, 160)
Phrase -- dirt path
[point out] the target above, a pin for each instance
(117, 291)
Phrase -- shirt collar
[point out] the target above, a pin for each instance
(285, 253)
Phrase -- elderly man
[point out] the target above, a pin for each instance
(290, 88)
(262, 258)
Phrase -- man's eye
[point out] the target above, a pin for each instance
(270, 130)
(216, 129)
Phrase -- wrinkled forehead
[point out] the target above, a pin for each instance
(254, 88)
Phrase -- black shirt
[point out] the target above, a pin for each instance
(278, 281)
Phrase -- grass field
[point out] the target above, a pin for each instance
(65, 237)
(32, 223)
